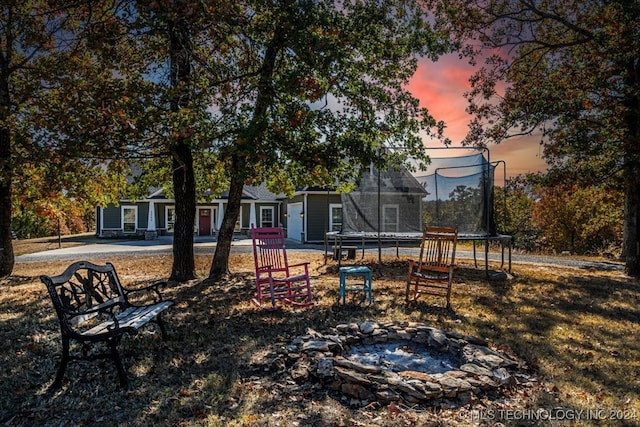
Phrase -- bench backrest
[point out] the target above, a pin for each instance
(81, 290)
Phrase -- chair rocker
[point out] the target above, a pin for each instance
(433, 273)
(275, 278)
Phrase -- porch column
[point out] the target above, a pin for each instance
(151, 233)
(305, 218)
(252, 214)
(220, 215)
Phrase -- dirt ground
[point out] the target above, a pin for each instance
(216, 370)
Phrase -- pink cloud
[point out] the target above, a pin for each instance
(440, 87)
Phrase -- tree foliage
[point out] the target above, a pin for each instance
(569, 70)
(560, 218)
(50, 197)
(141, 96)
(38, 58)
(579, 220)
(513, 211)
(310, 89)
(80, 85)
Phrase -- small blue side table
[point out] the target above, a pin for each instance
(364, 286)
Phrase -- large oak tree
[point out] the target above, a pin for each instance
(569, 70)
(182, 42)
(311, 89)
(45, 73)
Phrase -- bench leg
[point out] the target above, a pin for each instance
(62, 367)
(160, 323)
(122, 374)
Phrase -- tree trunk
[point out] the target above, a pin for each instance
(220, 264)
(7, 259)
(631, 233)
(240, 168)
(184, 185)
(631, 240)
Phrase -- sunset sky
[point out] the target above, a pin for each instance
(441, 85)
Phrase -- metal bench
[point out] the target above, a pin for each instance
(94, 308)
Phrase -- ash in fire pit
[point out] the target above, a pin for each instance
(399, 357)
(407, 362)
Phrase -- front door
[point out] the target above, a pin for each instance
(204, 222)
(294, 221)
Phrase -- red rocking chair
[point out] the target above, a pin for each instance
(275, 278)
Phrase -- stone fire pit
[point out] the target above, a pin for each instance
(344, 359)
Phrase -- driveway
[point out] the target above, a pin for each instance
(160, 246)
(206, 245)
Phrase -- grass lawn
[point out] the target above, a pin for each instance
(29, 246)
(576, 330)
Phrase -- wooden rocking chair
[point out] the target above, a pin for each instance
(432, 274)
(275, 278)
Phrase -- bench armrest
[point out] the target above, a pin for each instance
(107, 310)
(154, 288)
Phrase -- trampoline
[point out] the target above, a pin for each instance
(391, 208)
(340, 240)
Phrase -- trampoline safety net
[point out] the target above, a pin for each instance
(460, 193)
(386, 201)
(453, 191)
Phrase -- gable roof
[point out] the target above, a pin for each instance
(249, 192)
(393, 180)
(259, 192)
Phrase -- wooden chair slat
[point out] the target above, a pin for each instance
(275, 278)
(433, 272)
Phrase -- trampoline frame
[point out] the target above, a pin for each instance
(364, 238)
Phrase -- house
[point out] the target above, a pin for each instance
(306, 216)
(389, 201)
(155, 214)
(311, 212)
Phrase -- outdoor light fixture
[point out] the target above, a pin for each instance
(301, 214)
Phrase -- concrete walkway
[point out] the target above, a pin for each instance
(161, 245)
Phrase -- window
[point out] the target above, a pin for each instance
(171, 218)
(129, 219)
(390, 218)
(335, 217)
(266, 216)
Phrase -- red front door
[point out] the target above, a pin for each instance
(204, 228)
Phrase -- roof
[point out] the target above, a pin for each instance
(391, 181)
(255, 193)
(248, 192)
